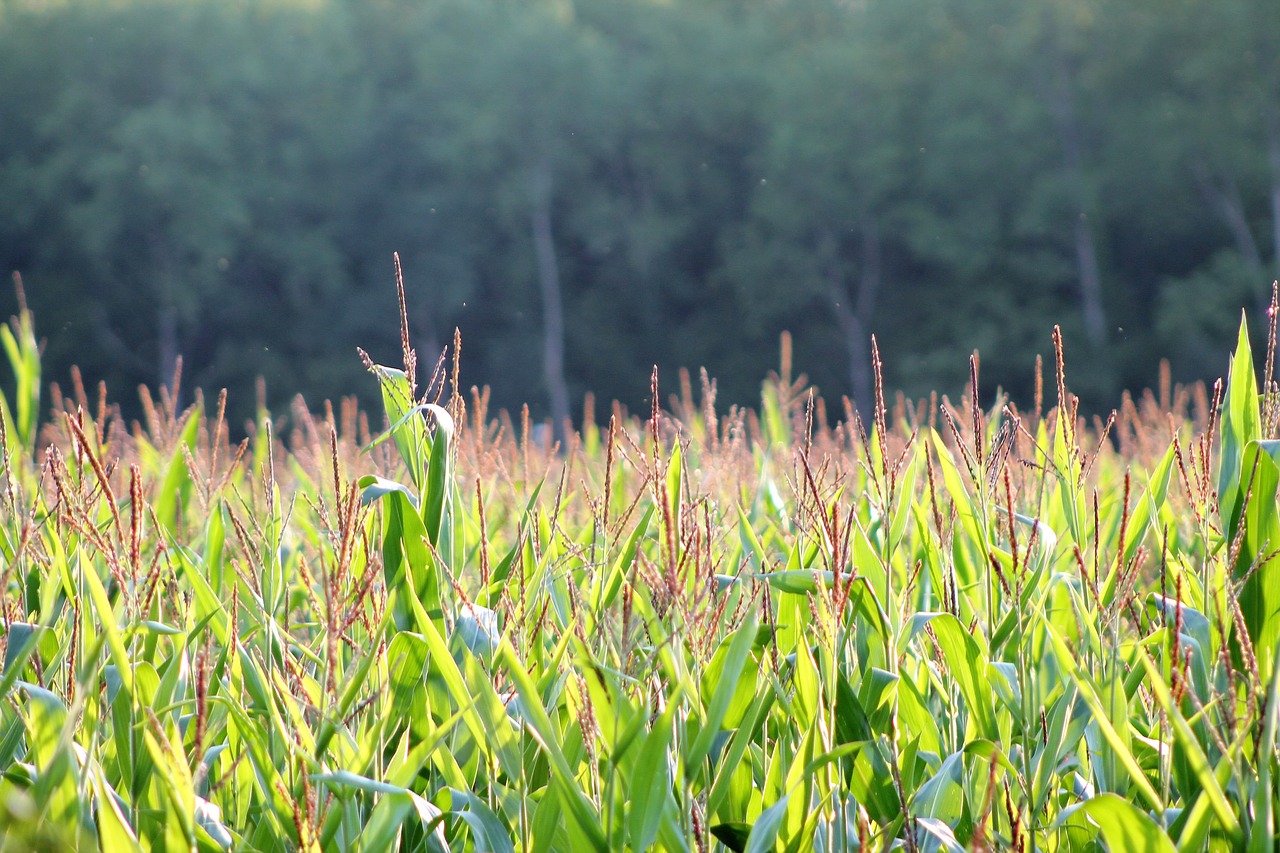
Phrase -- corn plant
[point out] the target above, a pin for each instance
(946, 627)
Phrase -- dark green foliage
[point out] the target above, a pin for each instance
(227, 182)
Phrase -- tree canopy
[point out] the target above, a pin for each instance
(589, 187)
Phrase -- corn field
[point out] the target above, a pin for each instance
(942, 627)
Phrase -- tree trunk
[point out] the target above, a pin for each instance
(1266, 53)
(167, 335)
(167, 344)
(1062, 107)
(854, 314)
(1225, 200)
(552, 304)
(1273, 158)
(857, 341)
(1095, 319)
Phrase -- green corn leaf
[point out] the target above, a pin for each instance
(674, 490)
(1109, 769)
(174, 777)
(373, 487)
(968, 664)
(480, 716)
(1124, 826)
(774, 420)
(578, 804)
(1241, 423)
(396, 806)
(1262, 833)
(114, 831)
(1260, 595)
(651, 783)
(23, 352)
(49, 749)
(21, 640)
(1089, 694)
(799, 783)
(902, 512)
(736, 749)
(732, 835)
(739, 652)
(407, 428)
(764, 832)
(1149, 504)
(408, 565)
(107, 619)
(487, 832)
(942, 796)
(502, 571)
(437, 496)
(935, 836)
(1185, 738)
(175, 491)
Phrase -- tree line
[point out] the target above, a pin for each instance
(589, 187)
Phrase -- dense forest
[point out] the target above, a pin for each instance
(589, 187)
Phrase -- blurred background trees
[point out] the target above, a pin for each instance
(590, 187)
